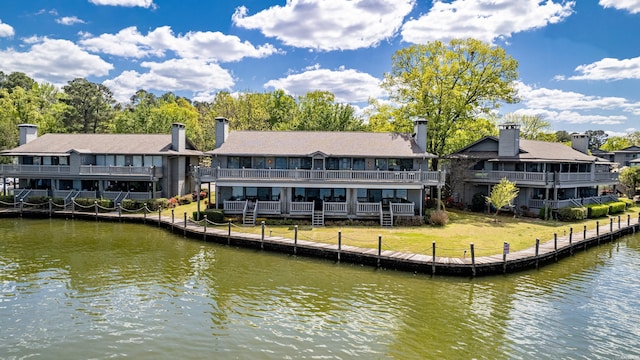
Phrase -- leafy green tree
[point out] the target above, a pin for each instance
(449, 85)
(630, 177)
(14, 80)
(532, 127)
(614, 143)
(281, 109)
(386, 118)
(318, 111)
(90, 106)
(502, 194)
(563, 136)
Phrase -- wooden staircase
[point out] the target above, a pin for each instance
(318, 218)
(249, 215)
(386, 220)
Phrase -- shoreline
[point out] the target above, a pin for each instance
(542, 253)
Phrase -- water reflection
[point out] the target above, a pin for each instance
(86, 289)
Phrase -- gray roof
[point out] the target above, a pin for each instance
(63, 144)
(330, 143)
(532, 151)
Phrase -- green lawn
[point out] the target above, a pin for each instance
(451, 240)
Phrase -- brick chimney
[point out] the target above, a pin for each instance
(28, 133)
(509, 140)
(222, 131)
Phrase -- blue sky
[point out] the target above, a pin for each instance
(579, 60)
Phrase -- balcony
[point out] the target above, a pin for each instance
(542, 178)
(58, 171)
(322, 176)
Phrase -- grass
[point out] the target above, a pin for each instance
(452, 240)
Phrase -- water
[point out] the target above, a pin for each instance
(79, 290)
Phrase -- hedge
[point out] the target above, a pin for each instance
(597, 210)
(629, 202)
(572, 213)
(616, 207)
(216, 216)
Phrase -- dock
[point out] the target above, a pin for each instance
(542, 253)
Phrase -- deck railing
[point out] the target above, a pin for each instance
(403, 208)
(268, 207)
(20, 170)
(301, 208)
(417, 176)
(541, 177)
(234, 206)
(368, 208)
(335, 208)
(559, 204)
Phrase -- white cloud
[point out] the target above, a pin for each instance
(129, 42)
(328, 25)
(632, 6)
(6, 30)
(125, 3)
(349, 86)
(572, 117)
(53, 60)
(484, 19)
(543, 98)
(197, 76)
(608, 69)
(70, 20)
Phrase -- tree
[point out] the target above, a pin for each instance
(318, 111)
(90, 106)
(532, 127)
(597, 138)
(14, 80)
(615, 143)
(502, 194)
(630, 177)
(563, 136)
(450, 85)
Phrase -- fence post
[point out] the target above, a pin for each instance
(184, 231)
(50, 207)
(618, 221)
(144, 210)
(433, 258)
(598, 231)
(173, 218)
(21, 206)
(379, 248)
(584, 233)
(628, 220)
(571, 241)
(537, 251)
(504, 257)
(159, 216)
(295, 239)
(262, 238)
(73, 207)
(119, 211)
(339, 244)
(473, 260)
(95, 206)
(229, 234)
(205, 227)
(555, 246)
(610, 224)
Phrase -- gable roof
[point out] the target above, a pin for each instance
(530, 151)
(330, 143)
(630, 149)
(64, 144)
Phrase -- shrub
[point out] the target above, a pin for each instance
(216, 216)
(172, 203)
(616, 207)
(185, 200)
(438, 218)
(478, 202)
(597, 210)
(130, 204)
(545, 210)
(6, 200)
(572, 213)
(409, 221)
(628, 202)
(157, 204)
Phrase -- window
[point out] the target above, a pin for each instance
(338, 163)
(281, 163)
(400, 164)
(358, 164)
(239, 162)
(299, 163)
(259, 163)
(381, 164)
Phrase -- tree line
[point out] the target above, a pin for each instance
(456, 87)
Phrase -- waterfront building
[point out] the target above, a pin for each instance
(548, 174)
(318, 175)
(629, 156)
(110, 166)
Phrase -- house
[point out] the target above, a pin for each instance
(627, 157)
(318, 175)
(112, 166)
(547, 174)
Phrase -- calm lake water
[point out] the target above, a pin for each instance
(81, 289)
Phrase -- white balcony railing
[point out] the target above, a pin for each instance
(19, 170)
(301, 208)
(558, 204)
(420, 177)
(269, 207)
(541, 177)
(368, 208)
(334, 208)
(402, 208)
